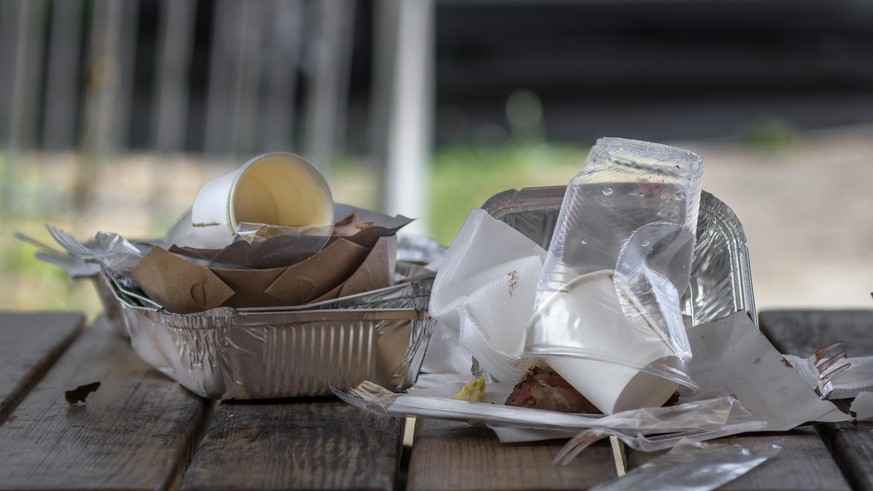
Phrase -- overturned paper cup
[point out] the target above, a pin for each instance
(588, 314)
(276, 189)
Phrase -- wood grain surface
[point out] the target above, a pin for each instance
(136, 431)
(450, 455)
(803, 332)
(29, 345)
(302, 444)
(139, 429)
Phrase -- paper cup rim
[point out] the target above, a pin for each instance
(243, 169)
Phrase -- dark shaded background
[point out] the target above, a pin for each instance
(651, 70)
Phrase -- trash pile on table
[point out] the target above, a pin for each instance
(266, 288)
(619, 305)
(627, 292)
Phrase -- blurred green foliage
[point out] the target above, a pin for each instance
(465, 176)
(462, 177)
(770, 134)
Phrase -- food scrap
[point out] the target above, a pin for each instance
(542, 388)
(474, 391)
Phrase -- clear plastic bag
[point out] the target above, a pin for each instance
(608, 316)
(645, 443)
(694, 466)
(704, 415)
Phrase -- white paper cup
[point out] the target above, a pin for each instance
(589, 312)
(277, 189)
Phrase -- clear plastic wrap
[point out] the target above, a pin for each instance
(694, 466)
(721, 274)
(643, 443)
(609, 298)
(705, 415)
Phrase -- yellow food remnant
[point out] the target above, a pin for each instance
(474, 391)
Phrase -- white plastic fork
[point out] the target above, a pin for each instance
(829, 362)
(70, 243)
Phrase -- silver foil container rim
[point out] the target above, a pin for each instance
(416, 288)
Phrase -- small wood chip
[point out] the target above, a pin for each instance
(80, 393)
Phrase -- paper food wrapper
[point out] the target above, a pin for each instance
(359, 226)
(342, 268)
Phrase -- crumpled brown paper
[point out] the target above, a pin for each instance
(342, 268)
(273, 272)
(285, 250)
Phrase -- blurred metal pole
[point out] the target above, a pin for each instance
(26, 67)
(283, 59)
(327, 88)
(126, 54)
(385, 21)
(101, 95)
(28, 75)
(246, 117)
(9, 26)
(175, 45)
(62, 78)
(219, 108)
(410, 125)
(11, 13)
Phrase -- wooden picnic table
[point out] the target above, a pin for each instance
(141, 430)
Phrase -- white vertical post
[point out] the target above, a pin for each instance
(411, 115)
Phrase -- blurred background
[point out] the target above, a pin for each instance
(113, 113)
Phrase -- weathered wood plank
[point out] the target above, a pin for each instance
(136, 431)
(801, 332)
(804, 331)
(804, 463)
(852, 448)
(29, 345)
(455, 456)
(308, 444)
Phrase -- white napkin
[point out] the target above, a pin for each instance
(731, 356)
(862, 406)
(484, 291)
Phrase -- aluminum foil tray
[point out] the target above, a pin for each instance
(227, 353)
(721, 277)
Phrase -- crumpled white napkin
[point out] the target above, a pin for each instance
(862, 406)
(483, 295)
(731, 356)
